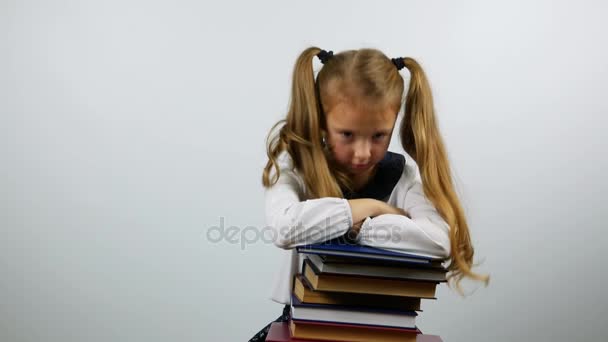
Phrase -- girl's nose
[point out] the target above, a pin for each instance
(362, 152)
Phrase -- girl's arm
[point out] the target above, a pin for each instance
(424, 232)
(365, 207)
(294, 222)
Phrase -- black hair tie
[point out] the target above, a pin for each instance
(324, 56)
(399, 63)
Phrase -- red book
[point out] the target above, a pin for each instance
(279, 332)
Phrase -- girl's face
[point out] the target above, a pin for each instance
(359, 138)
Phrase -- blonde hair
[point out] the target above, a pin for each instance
(368, 77)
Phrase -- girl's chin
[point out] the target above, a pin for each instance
(359, 170)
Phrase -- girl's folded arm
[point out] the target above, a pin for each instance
(426, 232)
(296, 222)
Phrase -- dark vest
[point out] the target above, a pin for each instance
(380, 187)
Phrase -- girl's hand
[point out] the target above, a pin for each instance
(389, 209)
(368, 207)
(381, 208)
(357, 226)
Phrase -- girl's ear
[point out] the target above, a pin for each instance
(323, 132)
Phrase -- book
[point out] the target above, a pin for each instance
(370, 285)
(380, 262)
(349, 332)
(391, 318)
(340, 246)
(306, 294)
(279, 332)
(354, 267)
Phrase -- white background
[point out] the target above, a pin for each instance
(129, 128)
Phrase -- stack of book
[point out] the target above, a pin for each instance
(349, 292)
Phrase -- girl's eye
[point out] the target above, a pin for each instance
(347, 134)
(379, 136)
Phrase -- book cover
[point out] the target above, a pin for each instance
(349, 332)
(279, 332)
(369, 285)
(306, 294)
(353, 315)
(433, 264)
(377, 270)
(342, 247)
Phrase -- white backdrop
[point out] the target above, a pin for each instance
(130, 128)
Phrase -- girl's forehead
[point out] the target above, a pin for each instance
(347, 117)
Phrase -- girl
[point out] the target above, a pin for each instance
(329, 172)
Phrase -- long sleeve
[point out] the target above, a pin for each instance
(297, 222)
(426, 233)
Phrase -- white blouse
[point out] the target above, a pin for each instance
(296, 221)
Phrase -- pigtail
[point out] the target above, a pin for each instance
(300, 134)
(421, 139)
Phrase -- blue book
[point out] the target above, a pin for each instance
(341, 247)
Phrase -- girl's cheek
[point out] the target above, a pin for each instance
(340, 153)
